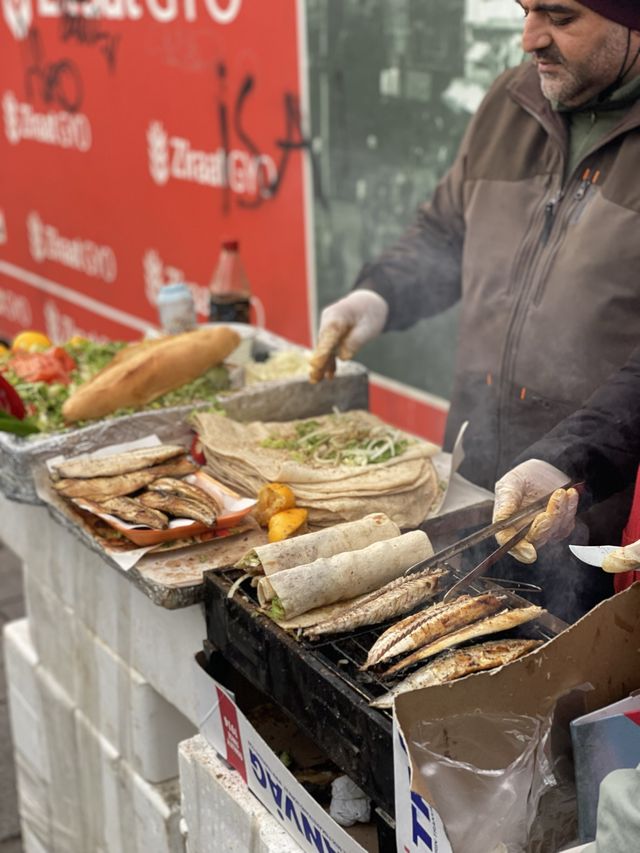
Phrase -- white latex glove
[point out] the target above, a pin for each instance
(625, 559)
(523, 485)
(345, 326)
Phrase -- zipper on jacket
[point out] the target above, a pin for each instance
(524, 273)
(549, 216)
(572, 212)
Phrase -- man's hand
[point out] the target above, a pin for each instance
(625, 559)
(523, 485)
(345, 326)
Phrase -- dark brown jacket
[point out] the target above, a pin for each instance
(547, 268)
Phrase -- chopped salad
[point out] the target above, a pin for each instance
(45, 378)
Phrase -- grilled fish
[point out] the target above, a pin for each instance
(456, 664)
(171, 486)
(431, 624)
(393, 599)
(322, 363)
(500, 622)
(133, 511)
(118, 463)
(179, 507)
(103, 488)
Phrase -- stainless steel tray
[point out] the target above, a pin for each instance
(276, 400)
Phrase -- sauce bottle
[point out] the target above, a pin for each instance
(176, 309)
(230, 291)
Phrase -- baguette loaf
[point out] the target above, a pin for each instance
(148, 372)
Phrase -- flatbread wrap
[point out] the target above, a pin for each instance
(302, 550)
(343, 576)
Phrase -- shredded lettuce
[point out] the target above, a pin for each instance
(339, 439)
(249, 561)
(44, 401)
(276, 611)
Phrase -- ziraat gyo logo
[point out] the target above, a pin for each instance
(19, 14)
(47, 244)
(15, 308)
(35, 235)
(242, 172)
(158, 148)
(157, 273)
(10, 116)
(62, 129)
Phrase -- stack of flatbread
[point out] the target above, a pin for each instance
(403, 487)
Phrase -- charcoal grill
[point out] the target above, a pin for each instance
(318, 683)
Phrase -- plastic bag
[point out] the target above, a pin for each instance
(486, 774)
(349, 804)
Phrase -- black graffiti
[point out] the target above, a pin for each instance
(294, 139)
(223, 127)
(88, 31)
(54, 82)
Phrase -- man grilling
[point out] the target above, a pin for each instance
(535, 229)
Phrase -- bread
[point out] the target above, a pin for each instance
(142, 373)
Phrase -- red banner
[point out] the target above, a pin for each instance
(135, 136)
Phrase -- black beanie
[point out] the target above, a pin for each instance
(625, 12)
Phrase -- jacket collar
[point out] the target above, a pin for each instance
(524, 89)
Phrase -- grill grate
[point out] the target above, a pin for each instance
(345, 654)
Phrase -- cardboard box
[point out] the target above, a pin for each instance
(603, 741)
(230, 733)
(599, 655)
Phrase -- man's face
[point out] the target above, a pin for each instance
(578, 52)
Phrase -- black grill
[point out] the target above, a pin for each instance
(319, 683)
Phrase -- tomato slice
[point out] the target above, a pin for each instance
(197, 451)
(10, 400)
(55, 365)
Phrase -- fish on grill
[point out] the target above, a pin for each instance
(103, 488)
(429, 625)
(129, 509)
(393, 599)
(180, 507)
(502, 621)
(117, 463)
(181, 489)
(458, 663)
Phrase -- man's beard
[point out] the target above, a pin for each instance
(563, 85)
(578, 83)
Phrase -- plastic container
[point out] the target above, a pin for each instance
(176, 309)
(230, 298)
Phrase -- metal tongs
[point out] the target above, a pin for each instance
(526, 514)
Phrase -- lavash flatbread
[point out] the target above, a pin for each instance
(302, 550)
(404, 487)
(343, 576)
